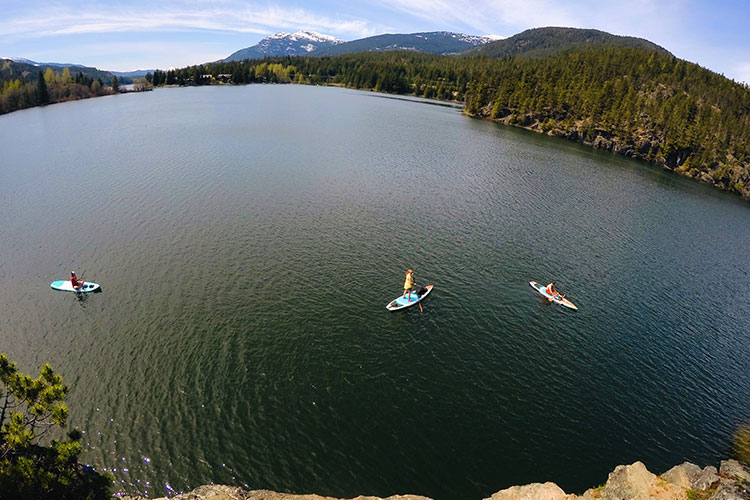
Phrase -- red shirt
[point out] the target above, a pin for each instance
(74, 281)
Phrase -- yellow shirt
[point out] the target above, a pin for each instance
(409, 281)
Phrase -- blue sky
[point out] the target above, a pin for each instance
(143, 34)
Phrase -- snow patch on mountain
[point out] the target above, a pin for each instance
(311, 36)
(21, 60)
(476, 40)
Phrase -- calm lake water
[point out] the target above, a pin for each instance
(247, 240)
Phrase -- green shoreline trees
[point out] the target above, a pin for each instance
(31, 409)
(26, 89)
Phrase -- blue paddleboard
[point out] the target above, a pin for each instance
(408, 300)
(67, 286)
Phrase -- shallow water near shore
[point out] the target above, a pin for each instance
(247, 240)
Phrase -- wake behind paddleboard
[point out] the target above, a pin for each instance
(555, 298)
(408, 300)
(67, 286)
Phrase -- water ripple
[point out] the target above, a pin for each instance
(246, 259)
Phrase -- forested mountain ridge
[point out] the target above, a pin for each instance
(434, 42)
(23, 85)
(634, 102)
(11, 67)
(641, 103)
(542, 42)
(285, 44)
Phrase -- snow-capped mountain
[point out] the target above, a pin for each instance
(286, 44)
(431, 42)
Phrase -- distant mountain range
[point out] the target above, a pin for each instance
(433, 42)
(310, 43)
(139, 73)
(537, 42)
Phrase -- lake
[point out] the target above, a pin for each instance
(247, 240)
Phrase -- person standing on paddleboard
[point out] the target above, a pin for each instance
(409, 281)
(74, 281)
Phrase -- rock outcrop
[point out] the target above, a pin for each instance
(534, 491)
(221, 492)
(690, 476)
(635, 482)
(626, 482)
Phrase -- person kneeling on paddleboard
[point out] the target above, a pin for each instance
(74, 281)
(409, 282)
(551, 289)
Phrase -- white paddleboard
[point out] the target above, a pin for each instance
(67, 286)
(555, 298)
(408, 300)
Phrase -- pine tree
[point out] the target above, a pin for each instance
(42, 96)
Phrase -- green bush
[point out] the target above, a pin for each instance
(30, 409)
(741, 443)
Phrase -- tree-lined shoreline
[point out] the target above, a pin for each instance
(24, 86)
(642, 103)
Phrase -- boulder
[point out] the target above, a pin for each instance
(534, 491)
(691, 476)
(601, 142)
(644, 146)
(681, 475)
(731, 490)
(735, 469)
(635, 482)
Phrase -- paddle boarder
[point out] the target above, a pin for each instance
(409, 282)
(74, 281)
(551, 289)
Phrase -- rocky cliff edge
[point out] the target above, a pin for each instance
(627, 482)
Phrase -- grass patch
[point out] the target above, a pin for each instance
(597, 492)
(699, 494)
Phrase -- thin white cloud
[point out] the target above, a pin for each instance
(129, 56)
(485, 16)
(294, 19)
(219, 16)
(533, 13)
(635, 17)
